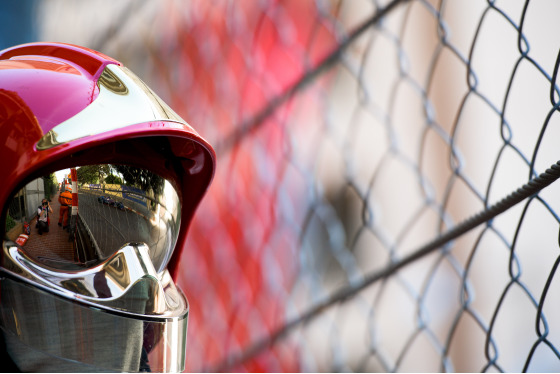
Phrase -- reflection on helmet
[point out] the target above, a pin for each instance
(114, 205)
(90, 286)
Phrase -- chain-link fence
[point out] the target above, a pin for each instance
(353, 139)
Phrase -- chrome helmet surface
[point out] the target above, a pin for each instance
(101, 181)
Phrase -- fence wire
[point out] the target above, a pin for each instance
(354, 141)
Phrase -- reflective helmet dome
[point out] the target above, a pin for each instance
(100, 182)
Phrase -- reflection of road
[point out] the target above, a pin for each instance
(111, 227)
(54, 245)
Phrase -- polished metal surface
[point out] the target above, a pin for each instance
(61, 335)
(126, 282)
(123, 100)
(137, 206)
(114, 250)
(95, 290)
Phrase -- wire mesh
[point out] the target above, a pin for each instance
(352, 135)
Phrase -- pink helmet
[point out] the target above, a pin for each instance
(96, 291)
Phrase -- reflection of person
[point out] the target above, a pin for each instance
(128, 325)
(65, 200)
(43, 216)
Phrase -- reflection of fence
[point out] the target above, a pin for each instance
(120, 192)
(23, 207)
(134, 194)
(112, 219)
(88, 251)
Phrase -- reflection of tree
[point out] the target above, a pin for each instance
(50, 185)
(92, 173)
(113, 179)
(141, 178)
(10, 223)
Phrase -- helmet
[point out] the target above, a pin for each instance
(96, 291)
